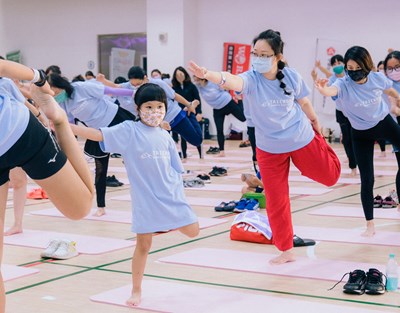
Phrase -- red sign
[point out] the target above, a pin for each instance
(331, 51)
(236, 57)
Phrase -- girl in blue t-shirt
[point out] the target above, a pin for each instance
(361, 92)
(154, 171)
(286, 129)
(63, 174)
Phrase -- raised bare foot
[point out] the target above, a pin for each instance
(13, 230)
(134, 300)
(100, 212)
(285, 257)
(47, 104)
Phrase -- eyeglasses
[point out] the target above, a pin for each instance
(262, 56)
(391, 69)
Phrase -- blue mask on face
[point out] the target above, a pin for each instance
(61, 97)
(261, 65)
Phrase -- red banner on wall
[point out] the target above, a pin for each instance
(236, 57)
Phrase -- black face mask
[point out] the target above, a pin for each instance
(357, 75)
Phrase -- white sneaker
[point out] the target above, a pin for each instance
(51, 248)
(65, 250)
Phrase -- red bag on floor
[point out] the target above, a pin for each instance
(251, 226)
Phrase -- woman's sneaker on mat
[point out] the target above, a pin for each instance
(51, 248)
(66, 250)
(356, 283)
(374, 284)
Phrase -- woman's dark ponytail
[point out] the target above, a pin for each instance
(280, 76)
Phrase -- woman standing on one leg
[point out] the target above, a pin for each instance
(89, 102)
(26, 143)
(361, 93)
(286, 127)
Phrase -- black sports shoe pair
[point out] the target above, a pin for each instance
(213, 150)
(112, 181)
(370, 282)
(218, 171)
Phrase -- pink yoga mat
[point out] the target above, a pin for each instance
(381, 238)
(124, 217)
(11, 272)
(353, 211)
(167, 296)
(236, 260)
(84, 244)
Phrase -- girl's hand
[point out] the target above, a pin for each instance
(316, 126)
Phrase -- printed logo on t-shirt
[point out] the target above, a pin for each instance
(155, 154)
(277, 103)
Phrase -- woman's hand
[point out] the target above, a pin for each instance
(197, 71)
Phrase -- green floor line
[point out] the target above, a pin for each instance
(46, 281)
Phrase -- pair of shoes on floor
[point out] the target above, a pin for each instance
(387, 202)
(361, 282)
(37, 194)
(116, 155)
(245, 144)
(226, 206)
(112, 181)
(245, 204)
(204, 177)
(213, 150)
(193, 183)
(218, 171)
(60, 249)
(302, 242)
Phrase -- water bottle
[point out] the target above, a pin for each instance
(392, 276)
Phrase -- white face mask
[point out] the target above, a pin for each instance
(261, 65)
(394, 75)
(152, 118)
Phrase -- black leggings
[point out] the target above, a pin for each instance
(251, 131)
(364, 141)
(347, 141)
(219, 117)
(101, 179)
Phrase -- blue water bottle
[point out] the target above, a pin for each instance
(392, 275)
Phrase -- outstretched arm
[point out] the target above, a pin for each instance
(224, 79)
(87, 132)
(321, 85)
(102, 79)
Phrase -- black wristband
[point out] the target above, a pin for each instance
(42, 80)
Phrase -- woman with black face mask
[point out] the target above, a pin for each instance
(361, 93)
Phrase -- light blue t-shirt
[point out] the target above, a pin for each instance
(154, 171)
(364, 106)
(246, 111)
(90, 105)
(280, 124)
(14, 115)
(216, 97)
(338, 102)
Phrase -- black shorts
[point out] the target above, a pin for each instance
(36, 151)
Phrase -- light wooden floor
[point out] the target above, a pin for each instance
(65, 286)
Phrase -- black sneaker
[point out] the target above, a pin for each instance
(112, 181)
(213, 150)
(356, 283)
(374, 284)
